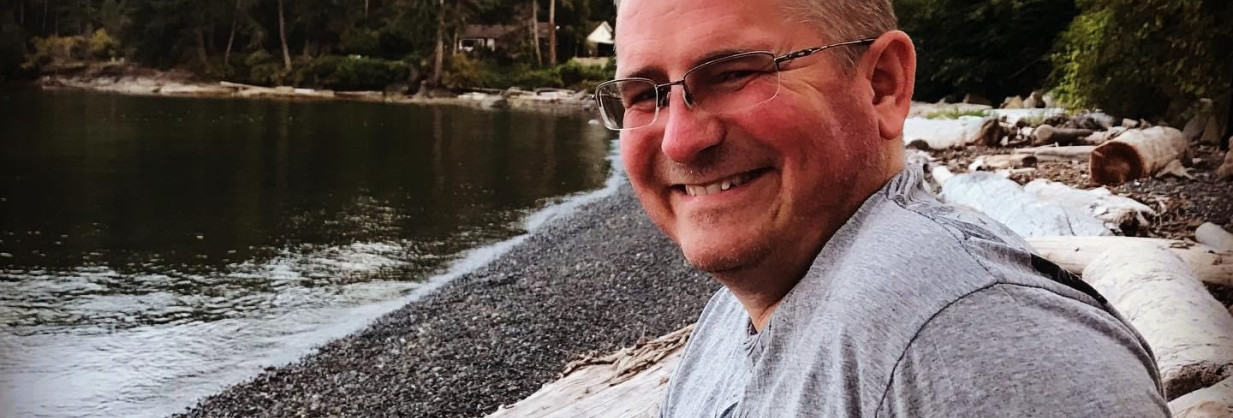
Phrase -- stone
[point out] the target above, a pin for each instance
(1034, 101)
(1014, 102)
(976, 99)
(1211, 132)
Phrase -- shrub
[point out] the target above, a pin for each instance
(54, 50)
(1145, 58)
(101, 45)
(352, 73)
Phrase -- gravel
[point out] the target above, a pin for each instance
(593, 282)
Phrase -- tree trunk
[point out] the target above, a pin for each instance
(552, 32)
(235, 17)
(1138, 154)
(45, 2)
(539, 59)
(366, 9)
(201, 48)
(1075, 253)
(439, 55)
(1190, 332)
(282, 35)
(1045, 135)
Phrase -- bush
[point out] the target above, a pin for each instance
(53, 51)
(102, 46)
(994, 48)
(1145, 58)
(352, 73)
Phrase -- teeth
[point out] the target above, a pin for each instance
(716, 187)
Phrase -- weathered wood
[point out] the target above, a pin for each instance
(629, 383)
(1120, 214)
(1214, 236)
(940, 134)
(1046, 134)
(1101, 137)
(1002, 162)
(1050, 153)
(1190, 332)
(1215, 401)
(1075, 253)
(1025, 213)
(1137, 154)
(1225, 171)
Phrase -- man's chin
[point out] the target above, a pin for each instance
(716, 261)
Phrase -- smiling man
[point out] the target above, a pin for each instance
(763, 136)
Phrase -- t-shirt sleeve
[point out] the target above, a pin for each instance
(1012, 350)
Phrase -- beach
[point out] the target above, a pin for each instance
(593, 281)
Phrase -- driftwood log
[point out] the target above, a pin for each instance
(1190, 332)
(1002, 162)
(1215, 401)
(1046, 134)
(628, 383)
(938, 134)
(1138, 154)
(1101, 137)
(1003, 200)
(1050, 153)
(1075, 253)
(1120, 214)
(1214, 236)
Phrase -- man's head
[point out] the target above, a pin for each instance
(803, 161)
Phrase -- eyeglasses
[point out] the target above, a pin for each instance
(725, 85)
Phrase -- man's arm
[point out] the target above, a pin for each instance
(1013, 350)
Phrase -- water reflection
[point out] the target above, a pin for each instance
(151, 243)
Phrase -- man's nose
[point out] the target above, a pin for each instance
(688, 131)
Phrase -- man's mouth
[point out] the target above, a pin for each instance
(721, 185)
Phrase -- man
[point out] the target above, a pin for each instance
(763, 136)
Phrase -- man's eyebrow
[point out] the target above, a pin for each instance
(657, 73)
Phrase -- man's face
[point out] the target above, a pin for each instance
(793, 163)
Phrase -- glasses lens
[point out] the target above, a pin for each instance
(735, 83)
(627, 104)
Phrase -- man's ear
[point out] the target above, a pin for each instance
(890, 67)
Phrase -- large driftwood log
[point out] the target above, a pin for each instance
(629, 383)
(1002, 162)
(1046, 134)
(1189, 331)
(940, 134)
(1215, 401)
(1003, 200)
(1121, 214)
(1138, 154)
(1075, 253)
(1072, 153)
(1214, 236)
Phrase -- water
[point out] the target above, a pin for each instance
(154, 250)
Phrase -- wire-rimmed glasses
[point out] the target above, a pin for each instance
(725, 85)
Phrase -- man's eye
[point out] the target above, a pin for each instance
(640, 98)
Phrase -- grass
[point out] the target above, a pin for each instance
(955, 113)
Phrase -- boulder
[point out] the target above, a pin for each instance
(1014, 102)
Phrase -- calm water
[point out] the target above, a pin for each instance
(154, 250)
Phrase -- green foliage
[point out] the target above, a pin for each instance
(54, 51)
(955, 112)
(1145, 58)
(102, 45)
(994, 48)
(466, 72)
(352, 73)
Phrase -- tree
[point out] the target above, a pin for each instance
(1146, 58)
(282, 35)
(992, 48)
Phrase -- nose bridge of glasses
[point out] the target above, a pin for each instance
(664, 92)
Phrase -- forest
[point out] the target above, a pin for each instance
(1134, 58)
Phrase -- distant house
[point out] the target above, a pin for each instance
(491, 36)
(601, 40)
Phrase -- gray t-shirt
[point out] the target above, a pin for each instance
(916, 308)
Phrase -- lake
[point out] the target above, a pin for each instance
(154, 250)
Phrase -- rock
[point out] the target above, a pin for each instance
(1211, 132)
(1096, 121)
(1050, 101)
(1014, 102)
(1195, 127)
(1130, 123)
(976, 99)
(1225, 172)
(1034, 101)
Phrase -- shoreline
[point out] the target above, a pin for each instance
(595, 276)
(123, 79)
